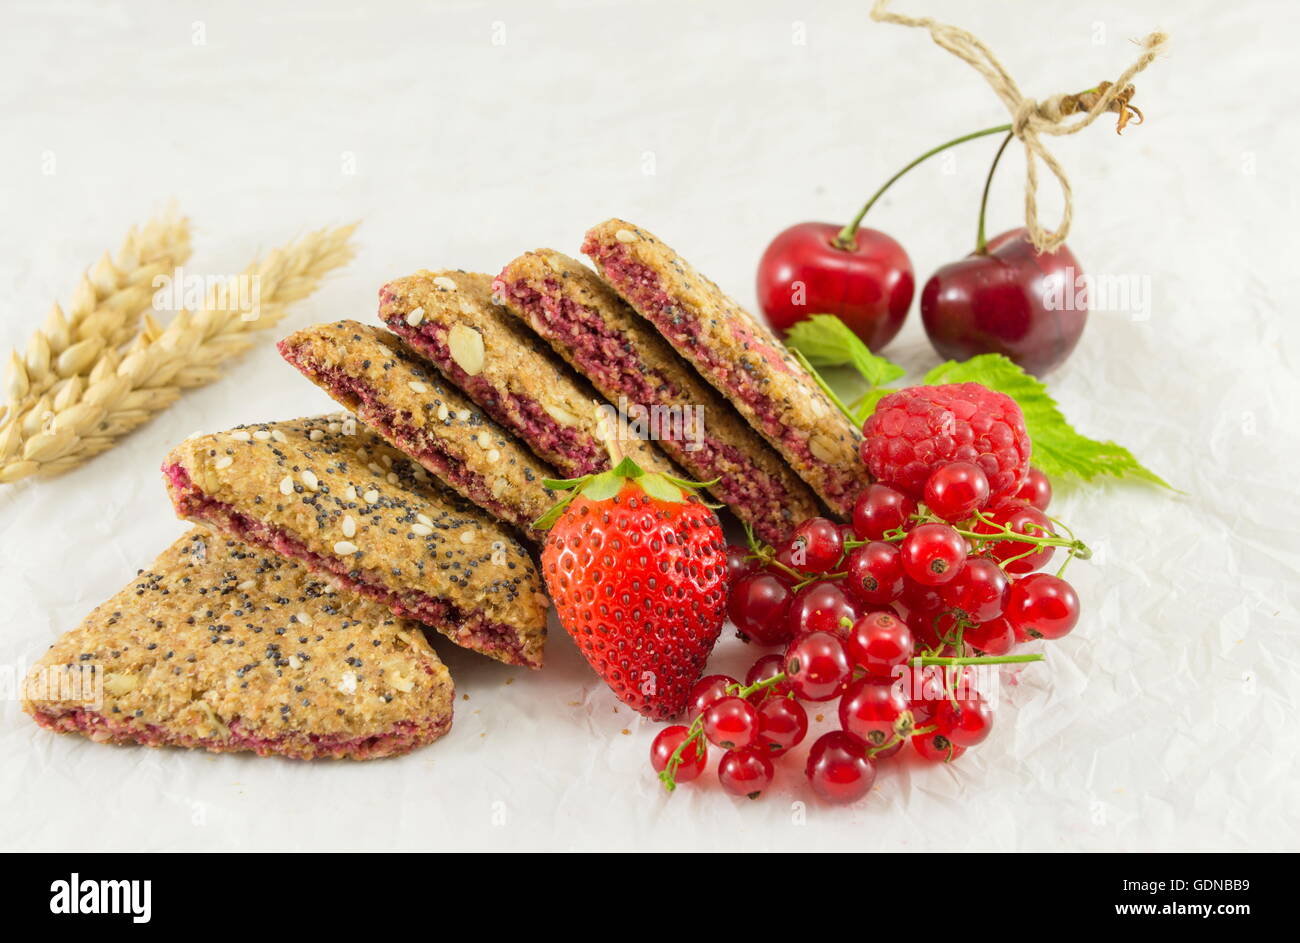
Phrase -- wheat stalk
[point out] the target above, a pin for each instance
(105, 311)
(125, 389)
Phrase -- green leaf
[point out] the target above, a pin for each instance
(657, 486)
(828, 342)
(1058, 448)
(603, 486)
(865, 404)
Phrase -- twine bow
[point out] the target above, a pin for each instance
(1033, 119)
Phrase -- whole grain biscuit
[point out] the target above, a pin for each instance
(372, 373)
(737, 354)
(219, 646)
(330, 494)
(627, 360)
(451, 319)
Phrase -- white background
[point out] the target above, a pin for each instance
(1167, 720)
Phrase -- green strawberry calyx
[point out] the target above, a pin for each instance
(602, 486)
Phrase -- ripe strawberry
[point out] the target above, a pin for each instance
(636, 565)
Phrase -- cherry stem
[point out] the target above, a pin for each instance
(848, 236)
(980, 241)
(696, 730)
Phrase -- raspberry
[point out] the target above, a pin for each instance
(917, 430)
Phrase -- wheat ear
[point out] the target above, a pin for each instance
(105, 311)
(125, 389)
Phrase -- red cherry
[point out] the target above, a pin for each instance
(838, 767)
(819, 607)
(1036, 491)
(936, 748)
(874, 573)
(956, 490)
(878, 643)
(933, 554)
(869, 710)
(816, 546)
(804, 272)
(979, 591)
(707, 691)
(964, 721)
(759, 605)
(1043, 606)
(879, 509)
(745, 772)
(995, 637)
(782, 724)
(731, 723)
(1022, 519)
(666, 743)
(1009, 300)
(817, 666)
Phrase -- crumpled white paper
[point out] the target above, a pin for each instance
(1166, 720)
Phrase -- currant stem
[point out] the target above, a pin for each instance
(847, 238)
(925, 661)
(696, 730)
(980, 241)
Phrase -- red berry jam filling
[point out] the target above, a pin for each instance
(470, 630)
(604, 355)
(642, 286)
(582, 453)
(397, 427)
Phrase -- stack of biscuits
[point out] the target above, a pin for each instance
(292, 620)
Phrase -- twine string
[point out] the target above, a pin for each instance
(1030, 119)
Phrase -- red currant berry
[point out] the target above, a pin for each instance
(870, 710)
(745, 772)
(933, 554)
(817, 667)
(838, 767)
(1042, 606)
(878, 643)
(923, 689)
(783, 565)
(816, 546)
(707, 691)
(995, 637)
(1022, 519)
(979, 591)
(766, 667)
(880, 509)
(956, 491)
(965, 722)
(819, 607)
(1036, 491)
(936, 748)
(874, 573)
(918, 598)
(666, 743)
(759, 605)
(888, 751)
(738, 562)
(782, 724)
(731, 723)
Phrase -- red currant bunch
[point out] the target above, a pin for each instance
(888, 617)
